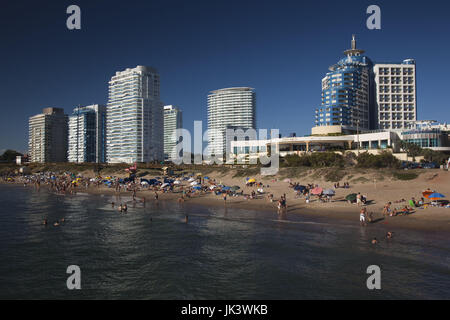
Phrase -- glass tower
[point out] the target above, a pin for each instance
(347, 94)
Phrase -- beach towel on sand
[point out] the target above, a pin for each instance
(412, 204)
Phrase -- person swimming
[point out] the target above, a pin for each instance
(374, 241)
(56, 224)
(389, 235)
(186, 218)
(45, 222)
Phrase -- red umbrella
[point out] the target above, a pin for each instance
(317, 191)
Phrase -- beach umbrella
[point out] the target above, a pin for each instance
(144, 183)
(317, 191)
(299, 188)
(197, 188)
(436, 196)
(177, 182)
(212, 187)
(234, 188)
(191, 179)
(206, 178)
(351, 197)
(251, 180)
(165, 185)
(427, 193)
(329, 192)
(193, 183)
(226, 188)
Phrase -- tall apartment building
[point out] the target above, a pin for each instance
(134, 117)
(87, 134)
(396, 94)
(229, 108)
(48, 136)
(173, 119)
(347, 99)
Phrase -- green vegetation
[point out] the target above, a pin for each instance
(383, 160)
(405, 175)
(315, 160)
(411, 149)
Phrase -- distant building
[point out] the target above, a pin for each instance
(134, 117)
(173, 119)
(229, 108)
(396, 94)
(87, 134)
(346, 95)
(48, 136)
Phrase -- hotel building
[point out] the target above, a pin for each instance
(229, 108)
(48, 136)
(173, 120)
(396, 98)
(134, 117)
(346, 95)
(87, 134)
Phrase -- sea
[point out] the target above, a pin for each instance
(220, 253)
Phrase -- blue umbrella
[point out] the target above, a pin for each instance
(206, 178)
(436, 196)
(197, 188)
(226, 188)
(299, 187)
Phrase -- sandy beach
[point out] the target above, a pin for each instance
(378, 193)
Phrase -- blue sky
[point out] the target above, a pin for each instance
(280, 48)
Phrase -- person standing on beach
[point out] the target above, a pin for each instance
(156, 195)
(359, 199)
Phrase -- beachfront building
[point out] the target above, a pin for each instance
(47, 136)
(173, 119)
(134, 117)
(428, 134)
(347, 99)
(372, 142)
(396, 94)
(86, 141)
(229, 108)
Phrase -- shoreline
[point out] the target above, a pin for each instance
(337, 212)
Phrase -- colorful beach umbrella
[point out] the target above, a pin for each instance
(436, 196)
(251, 180)
(317, 191)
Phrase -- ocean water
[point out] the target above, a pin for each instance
(151, 253)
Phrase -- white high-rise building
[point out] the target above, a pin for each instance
(173, 120)
(48, 136)
(229, 108)
(396, 96)
(87, 134)
(134, 117)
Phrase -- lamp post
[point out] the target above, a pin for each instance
(357, 134)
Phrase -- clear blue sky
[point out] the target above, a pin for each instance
(280, 48)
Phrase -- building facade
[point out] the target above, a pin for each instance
(173, 119)
(396, 94)
(87, 134)
(229, 108)
(47, 136)
(346, 95)
(134, 117)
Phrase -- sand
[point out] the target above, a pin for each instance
(377, 192)
(339, 210)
